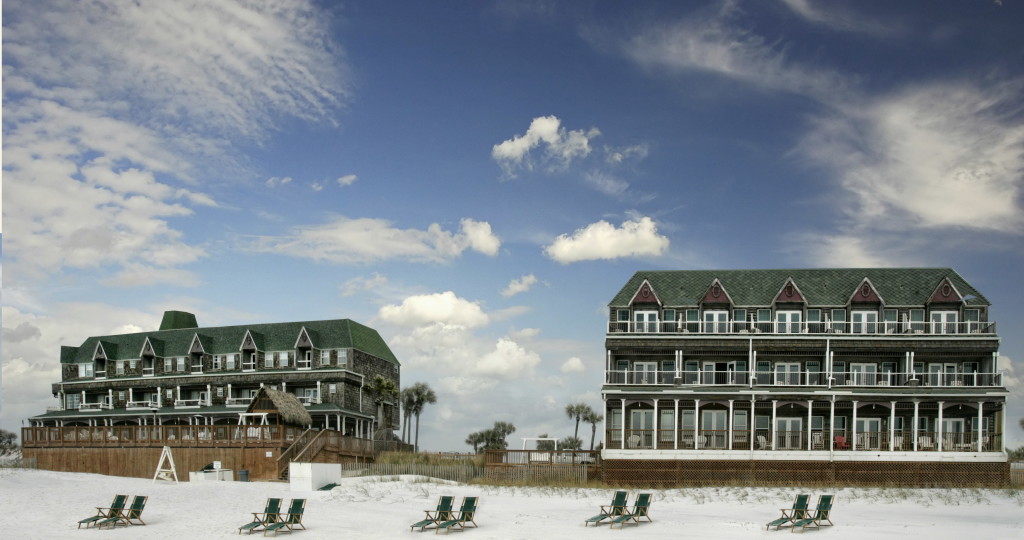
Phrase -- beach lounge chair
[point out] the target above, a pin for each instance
(260, 520)
(841, 443)
(287, 522)
(821, 513)
(466, 514)
(616, 508)
(433, 517)
(789, 515)
(104, 513)
(639, 511)
(129, 515)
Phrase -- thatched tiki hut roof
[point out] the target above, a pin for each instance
(287, 408)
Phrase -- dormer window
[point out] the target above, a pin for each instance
(85, 370)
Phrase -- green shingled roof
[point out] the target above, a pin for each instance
(820, 287)
(330, 334)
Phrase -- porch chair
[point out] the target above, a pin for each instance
(104, 513)
(287, 522)
(640, 510)
(261, 519)
(789, 515)
(433, 517)
(821, 513)
(616, 508)
(762, 442)
(924, 442)
(459, 521)
(841, 443)
(128, 516)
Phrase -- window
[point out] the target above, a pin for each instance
(716, 322)
(217, 361)
(670, 320)
(787, 322)
(971, 321)
(739, 320)
(692, 320)
(121, 395)
(814, 321)
(615, 424)
(342, 357)
(917, 321)
(325, 357)
(170, 394)
(220, 391)
(85, 370)
(891, 317)
(838, 320)
(666, 426)
(131, 364)
(863, 374)
(764, 320)
(646, 321)
(230, 361)
(944, 322)
(864, 322)
(622, 320)
(645, 372)
(787, 373)
(168, 365)
(813, 372)
(739, 421)
(839, 424)
(73, 401)
(332, 388)
(268, 360)
(285, 358)
(181, 363)
(762, 423)
(120, 367)
(306, 360)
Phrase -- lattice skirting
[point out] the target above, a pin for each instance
(665, 473)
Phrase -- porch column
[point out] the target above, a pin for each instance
(284, 386)
(832, 425)
(916, 405)
(853, 429)
(622, 427)
(892, 426)
(318, 400)
(178, 391)
(675, 424)
(228, 396)
(750, 375)
(83, 399)
(810, 404)
(209, 394)
(751, 426)
(938, 429)
(980, 423)
(110, 397)
(774, 429)
(729, 424)
(696, 424)
(657, 424)
(130, 397)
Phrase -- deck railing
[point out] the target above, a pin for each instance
(762, 440)
(217, 435)
(771, 327)
(859, 378)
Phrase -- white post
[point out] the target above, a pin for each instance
(914, 427)
(938, 428)
(729, 423)
(209, 394)
(229, 396)
(657, 424)
(853, 429)
(892, 426)
(832, 426)
(675, 424)
(159, 396)
(696, 424)
(810, 407)
(622, 426)
(130, 395)
(774, 427)
(980, 423)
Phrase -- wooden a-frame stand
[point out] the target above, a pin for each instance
(165, 473)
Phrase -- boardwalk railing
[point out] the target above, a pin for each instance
(214, 436)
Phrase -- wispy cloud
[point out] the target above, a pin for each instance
(559, 146)
(839, 17)
(363, 240)
(603, 240)
(519, 285)
(114, 111)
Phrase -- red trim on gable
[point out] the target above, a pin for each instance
(945, 292)
(716, 295)
(645, 295)
(865, 293)
(789, 293)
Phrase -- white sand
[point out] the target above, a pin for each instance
(45, 504)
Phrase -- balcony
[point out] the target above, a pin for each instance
(190, 403)
(818, 379)
(95, 406)
(805, 440)
(238, 401)
(142, 405)
(902, 329)
(308, 400)
(147, 371)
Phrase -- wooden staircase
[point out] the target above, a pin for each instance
(305, 448)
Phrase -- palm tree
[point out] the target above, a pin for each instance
(576, 411)
(382, 390)
(592, 418)
(423, 395)
(408, 401)
(475, 439)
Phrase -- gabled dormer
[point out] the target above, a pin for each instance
(716, 294)
(304, 341)
(645, 295)
(251, 341)
(865, 293)
(197, 346)
(147, 349)
(946, 293)
(790, 293)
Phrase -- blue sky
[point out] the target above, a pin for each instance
(477, 180)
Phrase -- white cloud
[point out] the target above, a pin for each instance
(602, 240)
(933, 156)
(508, 360)
(836, 17)
(606, 183)
(444, 308)
(347, 180)
(364, 240)
(561, 146)
(363, 284)
(109, 107)
(572, 365)
(519, 285)
(715, 45)
(278, 181)
(616, 156)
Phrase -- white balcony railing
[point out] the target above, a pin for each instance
(95, 406)
(190, 403)
(145, 404)
(308, 400)
(830, 327)
(238, 401)
(857, 378)
(147, 371)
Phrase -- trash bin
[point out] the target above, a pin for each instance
(243, 475)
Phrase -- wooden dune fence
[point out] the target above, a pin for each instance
(457, 473)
